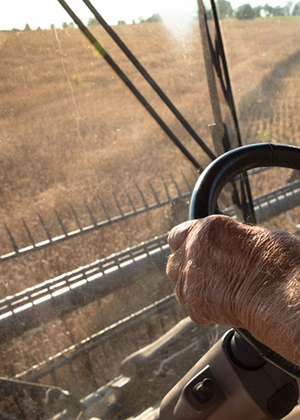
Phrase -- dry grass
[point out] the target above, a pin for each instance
(70, 130)
(76, 121)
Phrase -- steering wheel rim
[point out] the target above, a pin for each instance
(204, 203)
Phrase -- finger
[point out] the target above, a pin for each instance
(179, 233)
(179, 290)
(173, 268)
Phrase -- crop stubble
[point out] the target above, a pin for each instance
(70, 130)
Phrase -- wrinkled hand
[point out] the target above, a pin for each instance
(229, 273)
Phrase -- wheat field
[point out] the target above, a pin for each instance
(71, 131)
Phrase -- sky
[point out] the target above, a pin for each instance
(43, 13)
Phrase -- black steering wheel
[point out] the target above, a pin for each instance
(204, 203)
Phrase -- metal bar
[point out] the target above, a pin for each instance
(14, 244)
(76, 218)
(99, 266)
(244, 206)
(254, 172)
(88, 401)
(249, 214)
(129, 84)
(186, 181)
(142, 196)
(93, 220)
(28, 232)
(154, 193)
(118, 205)
(100, 224)
(147, 207)
(130, 201)
(176, 186)
(226, 72)
(274, 203)
(60, 222)
(44, 227)
(28, 301)
(218, 130)
(16, 387)
(60, 359)
(149, 79)
(166, 189)
(105, 209)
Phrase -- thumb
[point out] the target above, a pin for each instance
(179, 233)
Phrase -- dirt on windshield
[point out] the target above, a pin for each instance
(71, 133)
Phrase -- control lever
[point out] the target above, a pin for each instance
(221, 387)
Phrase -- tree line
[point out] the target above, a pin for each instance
(246, 11)
(154, 18)
(224, 8)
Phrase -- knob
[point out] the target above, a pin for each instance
(203, 391)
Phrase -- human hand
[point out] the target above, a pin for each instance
(229, 273)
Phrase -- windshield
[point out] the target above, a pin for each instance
(91, 184)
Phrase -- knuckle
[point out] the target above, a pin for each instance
(219, 222)
(179, 234)
(179, 290)
(172, 268)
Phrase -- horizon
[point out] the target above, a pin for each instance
(44, 14)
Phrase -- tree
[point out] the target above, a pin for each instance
(154, 18)
(224, 9)
(121, 22)
(289, 7)
(296, 10)
(267, 10)
(209, 14)
(279, 11)
(257, 11)
(93, 22)
(245, 12)
(65, 25)
(27, 27)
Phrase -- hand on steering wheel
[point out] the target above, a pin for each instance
(230, 278)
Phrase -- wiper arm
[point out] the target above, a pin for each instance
(129, 84)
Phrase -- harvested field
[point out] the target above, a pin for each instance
(67, 137)
(71, 132)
